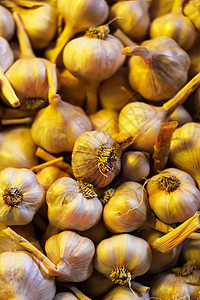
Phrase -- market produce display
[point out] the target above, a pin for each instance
(99, 149)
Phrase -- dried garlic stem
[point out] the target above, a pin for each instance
(170, 106)
(124, 139)
(76, 292)
(172, 239)
(140, 288)
(126, 41)
(47, 157)
(32, 249)
(141, 51)
(54, 99)
(7, 91)
(17, 121)
(46, 164)
(162, 145)
(24, 43)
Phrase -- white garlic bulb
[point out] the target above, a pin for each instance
(7, 23)
(20, 196)
(23, 277)
(123, 292)
(65, 296)
(6, 55)
(73, 255)
(73, 204)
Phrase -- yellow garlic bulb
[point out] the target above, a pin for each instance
(122, 257)
(40, 21)
(173, 195)
(190, 252)
(65, 296)
(72, 205)
(160, 7)
(158, 68)
(127, 208)
(174, 25)
(96, 158)
(135, 165)
(185, 148)
(18, 139)
(160, 261)
(181, 115)
(20, 196)
(115, 92)
(6, 55)
(105, 120)
(23, 277)
(177, 283)
(132, 18)
(191, 10)
(123, 292)
(7, 23)
(73, 255)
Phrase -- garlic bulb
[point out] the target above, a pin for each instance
(105, 120)
(126, 209)
(20, 195)
(27, 75)
(120, 258)
(181, 115)
(174, 25)
(160, 7)
(158, 68)
(57, 126)
(93, 58)
(185, 148)
(72, 205)
(123, 292)
(135, 165)
(96, 158)
(65, 296)
(47, 176)
(18, 139)
(132, 18)
(78, 16)
(73, 254)
(39, 19)
(143, 120)
(115, 92)
(7, 23)
(191, 10)
(72, 89)
(160, 261)
(178, 283)
(173, 195)
(23, 277)
(96, 285)
(190, 252)
(6, 55)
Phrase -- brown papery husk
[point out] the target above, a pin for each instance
(143, 120)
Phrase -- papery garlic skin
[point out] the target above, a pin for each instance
(57, 126)
(20, 196)
(18, 139)
(69, 207)
(6, 55)
(173, 195)
(96, 158)
(127, 209)
(162, 78)
(132, 18)
(123, 292)
(7, 23)
(135, 165)
(73, 255)
(126, 252)
(184, 150)
(23, 277)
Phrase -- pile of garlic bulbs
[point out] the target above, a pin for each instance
(99, 149)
